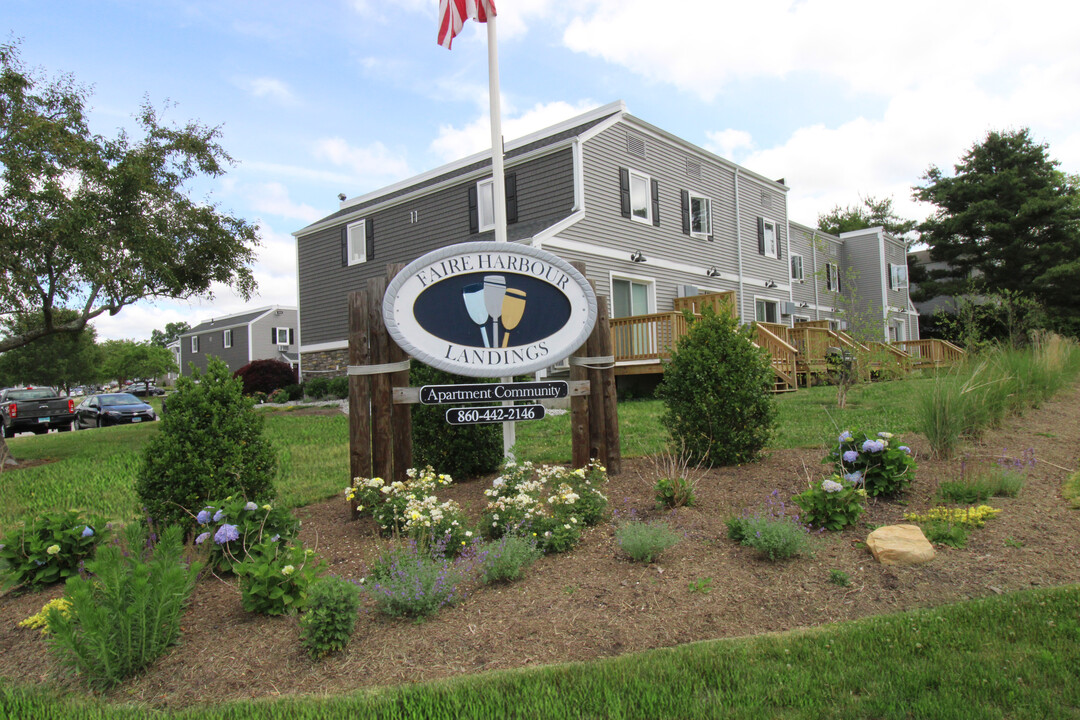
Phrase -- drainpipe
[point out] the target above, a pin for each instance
(738, 242)
(813, 261)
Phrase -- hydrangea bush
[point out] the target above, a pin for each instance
(881, 465)
(230, 528)
(551, 503)
(833, 504)
(50, 548)
(274, 578)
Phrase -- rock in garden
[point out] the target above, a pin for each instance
(900, 545)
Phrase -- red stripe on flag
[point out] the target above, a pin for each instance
(454, 13)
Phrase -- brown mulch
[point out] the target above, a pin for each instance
(593, 603)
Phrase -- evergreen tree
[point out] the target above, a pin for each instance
(871, 213)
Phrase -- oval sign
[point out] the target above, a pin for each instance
(485, 309)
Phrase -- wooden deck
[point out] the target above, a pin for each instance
(642, 345)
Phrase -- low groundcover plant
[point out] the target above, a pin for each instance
(644, 541)
(771, 531)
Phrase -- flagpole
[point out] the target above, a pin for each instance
(499, 183)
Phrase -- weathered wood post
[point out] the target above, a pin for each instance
(382, 434)
(579, 404)
(613, 457)
(359, 393)
(401, 420)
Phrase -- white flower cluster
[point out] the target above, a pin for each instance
(428, 512)
(831, 486)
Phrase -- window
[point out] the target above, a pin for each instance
(834, 325)
(282, 336)
(485, 193)
(768, 241)
(639, 197)
(697, 215)
(796, 319)
(194, 343)
(832, 277)
(767, 310)
(226, 338)
(629, 297)
(357, 243)
(897, 277)
(796, 268)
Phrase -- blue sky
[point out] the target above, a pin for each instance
(841, 98)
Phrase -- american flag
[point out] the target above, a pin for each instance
(454, 13)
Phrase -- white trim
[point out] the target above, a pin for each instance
(326, 346)
(547, 233)
(631, 174)
(649, 282)
(767, 299)
(226, 338)
(353, 257)
(579, 176)
(738, 246)
(775, 254)
(194, 344)
(480, 201)
(884, 275)
(621, 254)
(802, 267)
(299, 355)
(690, 195)
(251, 337)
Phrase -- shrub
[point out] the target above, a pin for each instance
(279, 396)
(642, 541)
(330, 616)
(440, 528)
(716, 391)
(50, 548)
(265, 376)
(505, 559)
(293, 392)
(833, 504)
(127, 611)
(274, 578)
(770, 530)
(210, 445)
(409, 582)
(250, 523)
(338, 388)
(386, 502)
(464, 451)
(317, 388)
(941, 532)
(882, 465)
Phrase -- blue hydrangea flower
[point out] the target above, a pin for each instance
(252, 507)
(226, 533)
(88, 531)
(202, 538)
(873, 446)
(831, 486)
(218, 515)
(845, 436)
(851, 456)
(906, 449)
(204, 516)
(854, 478)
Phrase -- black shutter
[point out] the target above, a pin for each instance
(656, 203)
(369, 241)
(344, 246)
(511, 198)
(474, 214)
(291, 336)
(761, 236)
(273, 336)
(779, 245)
(891, 277)
(624, 192)
(684, 196)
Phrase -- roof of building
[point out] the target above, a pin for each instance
(228, 321)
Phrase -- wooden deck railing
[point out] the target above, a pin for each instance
(782, 352)
(932, 352)
(720, 302)
(646, 337)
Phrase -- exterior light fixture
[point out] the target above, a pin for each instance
(770, 284)
(712, 272)
(637, 257)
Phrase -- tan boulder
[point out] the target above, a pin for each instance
(900, 545)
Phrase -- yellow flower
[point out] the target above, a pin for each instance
(52, 549)
(288, 570)
(267, 507)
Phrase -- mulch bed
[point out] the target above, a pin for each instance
(593, 603)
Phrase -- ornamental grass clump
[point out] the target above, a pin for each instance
(126, 611)
(770, 530)
(505, 559)
(881, 465)
(1004, 477)
(833, 504)
(676, 479)
(330, 616)
(50, 548)
(409, 582)
(645, 541)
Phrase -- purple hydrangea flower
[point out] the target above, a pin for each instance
(202, 538)
(906, 449)
(204, 516)
(218, 515)
(845, 436)
(88, 531)
(873, 446)
(226, 533)
(251, 507)
(851, 456)
(854, 478)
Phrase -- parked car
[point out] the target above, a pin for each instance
(143, 389)
(107, 409)
(34, 409)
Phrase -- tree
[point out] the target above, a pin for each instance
(1009, 219)
(61, 360)
(172, 332)
(96, 224)
(871, 213)
(128, 359)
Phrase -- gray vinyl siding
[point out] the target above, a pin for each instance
(755, 202)
(862, 260)
(816, 248)
(898, 299)
(262, 329)
(545, 188)
(211, 344)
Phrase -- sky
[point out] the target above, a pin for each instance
(843, 99)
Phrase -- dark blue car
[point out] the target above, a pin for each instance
(112, 409)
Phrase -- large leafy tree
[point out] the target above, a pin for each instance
(61, 360)
(871, 212)
(128, 359)
(172, 331)
(1007, 219)
(94, 224)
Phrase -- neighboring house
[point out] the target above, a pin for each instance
(939, 269)
(174, 348)
(652, 216)
(269, 333)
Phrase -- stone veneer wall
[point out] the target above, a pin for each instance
(328, 363)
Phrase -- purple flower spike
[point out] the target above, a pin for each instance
(226, 533)
(851, 456)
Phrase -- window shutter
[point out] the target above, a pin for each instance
(761, 236)
(369, 241)
(474, 213)
(624, 192)
(511, 198)
(779, 245)
(291, 336)
(656, 203)
(684, 198)
(344, 246)
(273, 336)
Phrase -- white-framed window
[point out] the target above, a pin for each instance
(832, 277)
(226, 338)
(768, 238)
(633, 296)
(897, 276)
(766, 310)
(834, 325)
(700, 216)
(194, 343)
(357, 250)
(640, 201)
(796, 319)
(485, 204)
(281, 336)
(797, 268)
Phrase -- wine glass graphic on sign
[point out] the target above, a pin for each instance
(494, 289)
(474, 304)
(512, 309)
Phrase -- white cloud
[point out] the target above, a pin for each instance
(454, 143)
(272, 198)
(371, 162)
(726, 143)
(272, 88)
